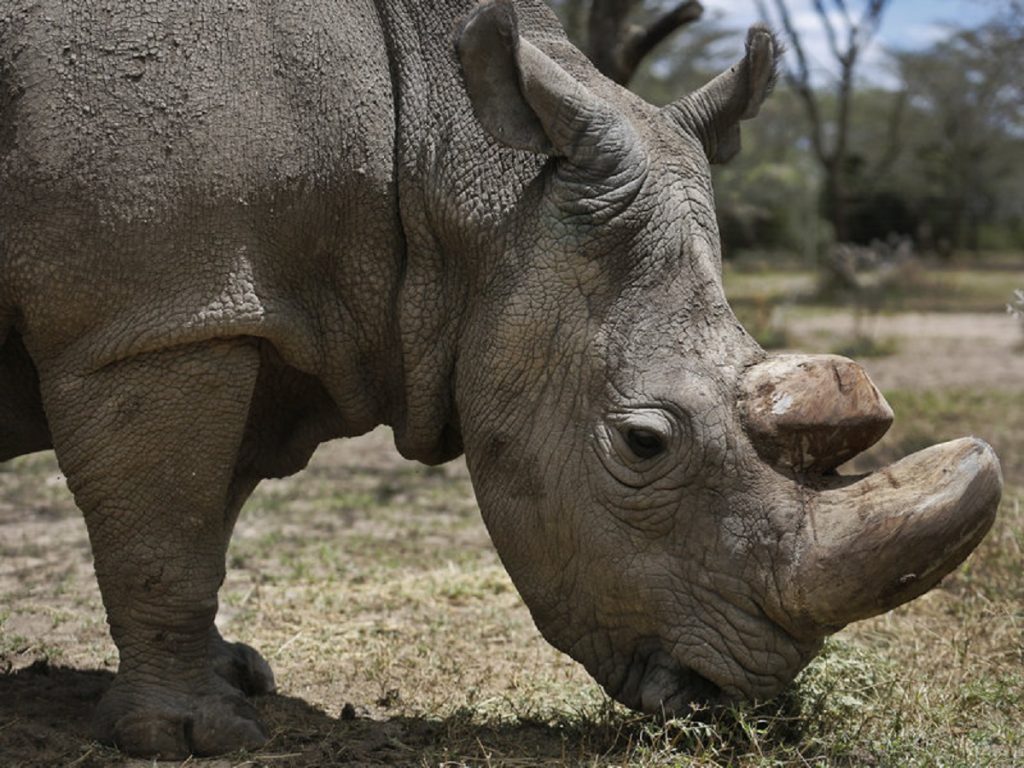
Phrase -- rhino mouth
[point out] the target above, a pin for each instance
(658, 684)
(673, 692)
(866, 544)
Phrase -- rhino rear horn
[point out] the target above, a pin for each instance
(526, 100)
(713, 113)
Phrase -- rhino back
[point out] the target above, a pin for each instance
(172, 172)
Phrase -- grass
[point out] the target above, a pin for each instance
(397, 638)
(394, 603)
(774, 305)
(864, 345)
(924, 418)
(762, 319)
(917, 289)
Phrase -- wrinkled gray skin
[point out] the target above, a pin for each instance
(231, 231)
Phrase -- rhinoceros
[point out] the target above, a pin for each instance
(233, 230)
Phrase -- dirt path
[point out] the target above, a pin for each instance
(933, 350)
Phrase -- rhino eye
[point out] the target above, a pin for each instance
(644, 443)
(635, 438)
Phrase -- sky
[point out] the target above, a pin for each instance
(907, 24)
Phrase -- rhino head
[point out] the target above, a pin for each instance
(663, 493)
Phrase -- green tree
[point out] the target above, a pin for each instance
(848, 32)
(966, 135)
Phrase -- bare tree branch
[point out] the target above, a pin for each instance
(800, 81)
(617, 48)
(871, 19)
(803, 73)
(855, 36)
(642, 41)
(843, 9)
(843, 94)
(604, 34)
(830, 31)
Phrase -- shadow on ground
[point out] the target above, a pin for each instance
(45, 721)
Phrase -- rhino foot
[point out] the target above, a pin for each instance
(242, 666)
(151, 721)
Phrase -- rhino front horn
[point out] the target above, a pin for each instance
(868, 544)
(810, 413)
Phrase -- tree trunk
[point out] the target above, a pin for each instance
(835, 200)
(617, 47)
(605, 36)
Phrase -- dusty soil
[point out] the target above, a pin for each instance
(933, 350)
(371, 586)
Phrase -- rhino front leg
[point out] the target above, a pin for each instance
(149, 446)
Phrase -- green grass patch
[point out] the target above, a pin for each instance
(914, 288)
(867, 346)
(944, 290)
(763, 321)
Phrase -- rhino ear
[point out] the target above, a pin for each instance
(713, 113)
(526, 100)
(489, 49)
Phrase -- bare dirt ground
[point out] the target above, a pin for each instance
(934, 350)
(371, 586)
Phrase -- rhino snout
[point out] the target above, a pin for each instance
(863, 545)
